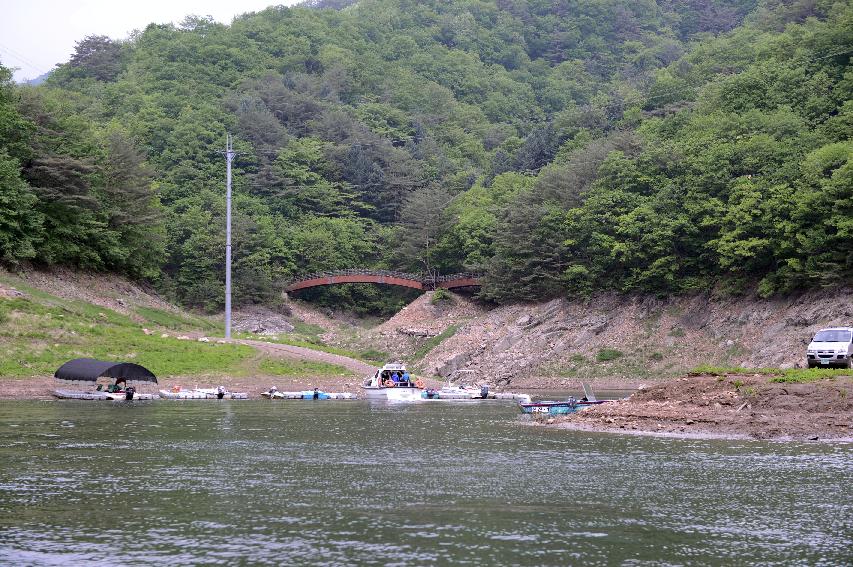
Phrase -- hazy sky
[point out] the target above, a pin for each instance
(35, 35)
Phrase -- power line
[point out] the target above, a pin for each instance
(16, 55)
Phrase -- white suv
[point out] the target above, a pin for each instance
(831, 347)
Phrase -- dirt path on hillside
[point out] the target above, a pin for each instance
(302, 353)
(733, 406)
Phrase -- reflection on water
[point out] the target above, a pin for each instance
(353, 482)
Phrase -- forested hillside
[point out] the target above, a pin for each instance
(557, 147)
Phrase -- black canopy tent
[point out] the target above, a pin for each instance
(90, 369)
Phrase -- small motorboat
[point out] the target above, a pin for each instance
(464, 385)
(461, 393)
(315, 394)
(557, 408)
(571, 405)
(381, 385)
(218, 393)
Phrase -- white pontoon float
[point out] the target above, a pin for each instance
(218, 393)
(315, 394)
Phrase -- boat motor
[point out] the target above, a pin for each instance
(484, 391)
(128, 393)
(220, 392)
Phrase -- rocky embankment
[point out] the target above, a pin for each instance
(727, 406)
(610, 339)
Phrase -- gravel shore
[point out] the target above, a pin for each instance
(731, 406)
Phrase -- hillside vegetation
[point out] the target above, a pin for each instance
(561, 148)
(110, 319)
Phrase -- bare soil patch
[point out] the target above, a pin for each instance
(731, 406)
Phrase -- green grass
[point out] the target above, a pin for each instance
(435, 341)
(176, 321)
(790, 375)
(287, 367)
(373, 355)
(311, 332)
(369, 355)
(38, 338)
(802, 375)
(608, 354)
(721, 370)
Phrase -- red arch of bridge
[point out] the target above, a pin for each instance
(379, 279)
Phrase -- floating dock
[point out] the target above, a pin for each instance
(202, 394)
(95, 395)
(309, 395)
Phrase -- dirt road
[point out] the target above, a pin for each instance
(302, 353)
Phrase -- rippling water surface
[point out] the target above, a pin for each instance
(334, 483)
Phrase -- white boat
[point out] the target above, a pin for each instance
(461, 393)
(220, 393)
(462, 388)
(381, 386)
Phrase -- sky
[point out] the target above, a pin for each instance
(35, 35)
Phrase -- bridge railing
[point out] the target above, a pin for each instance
(356, 272)
(421, 277)
(459, 276)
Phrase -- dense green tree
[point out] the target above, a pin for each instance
(657, 146)
(20, 223)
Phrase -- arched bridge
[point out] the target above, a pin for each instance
(387, 277)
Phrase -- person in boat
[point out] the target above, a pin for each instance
(395, 377)
(406, 378)
(316, 393)
(120, 385)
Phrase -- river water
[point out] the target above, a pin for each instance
(338, 483)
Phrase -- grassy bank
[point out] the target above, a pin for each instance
(41, 332)
(295, 368)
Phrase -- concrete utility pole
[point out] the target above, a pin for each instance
(229, 155)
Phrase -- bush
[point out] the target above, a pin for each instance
(441, 296)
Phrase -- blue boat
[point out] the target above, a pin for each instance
(570, 405)
(557, 408)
